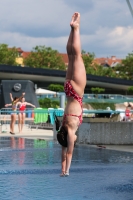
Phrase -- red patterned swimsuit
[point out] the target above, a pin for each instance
(70, 92)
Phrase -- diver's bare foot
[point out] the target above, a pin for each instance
(62, 174)
(75, 20)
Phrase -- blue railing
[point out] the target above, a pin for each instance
(59, 112)
(94, 98)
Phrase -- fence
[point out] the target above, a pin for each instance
(95, 98)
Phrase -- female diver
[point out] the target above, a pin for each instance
(74, 89)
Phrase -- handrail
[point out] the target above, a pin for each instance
(61, 111)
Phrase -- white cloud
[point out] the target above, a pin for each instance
(106, 26)
(117, 41)
(27, 43)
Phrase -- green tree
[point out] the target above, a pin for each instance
(44, 57)
(8, 55)
(125, 69)
(56, 87)
(95, 69)
(108, 72)
(88, 61)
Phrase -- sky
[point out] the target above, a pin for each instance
(106, 25)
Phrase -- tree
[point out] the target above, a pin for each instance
(95, 69)
(126, 67)
(44, 57)
(56, 87)
(8, 55)
(108, 72)
(88, 61)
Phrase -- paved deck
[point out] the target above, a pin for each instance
(46, 134)
(125, 148)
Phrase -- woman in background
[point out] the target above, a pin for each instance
(21, 116)
(14, 105)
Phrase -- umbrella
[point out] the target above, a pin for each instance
(41, 91)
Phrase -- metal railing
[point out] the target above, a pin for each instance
(97, 98)
(44, 118)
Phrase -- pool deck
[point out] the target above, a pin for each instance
(47, 134)
(125, 148)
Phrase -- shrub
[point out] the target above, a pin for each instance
(130, 90)
(97, 90)
(48, 103)
(103, 106)
(57, 87)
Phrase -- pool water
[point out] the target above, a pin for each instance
(29, 169)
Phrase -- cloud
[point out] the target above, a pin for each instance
(27, 43)
(117, 41)
(80, 6)
(106, 26)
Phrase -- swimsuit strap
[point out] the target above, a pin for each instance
(79, 116)
(72, 115)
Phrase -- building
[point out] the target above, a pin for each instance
(108, 62)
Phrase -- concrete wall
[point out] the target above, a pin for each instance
(105, 133)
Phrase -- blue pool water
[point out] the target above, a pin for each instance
(29, 170)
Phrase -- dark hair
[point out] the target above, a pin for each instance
(129, 105)
(62, 136)
(15, 98)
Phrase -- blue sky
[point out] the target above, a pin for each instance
(106, 26)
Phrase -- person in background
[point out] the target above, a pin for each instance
(15, 101)
(21, 116)
(127, 112)
(109, 114)
(74, 89)
(121, 114)
(131, 111)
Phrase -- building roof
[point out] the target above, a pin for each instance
(25, 54)
(64, 57)
(112, 62)
(19, 50)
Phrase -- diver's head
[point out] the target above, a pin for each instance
(62, 136)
